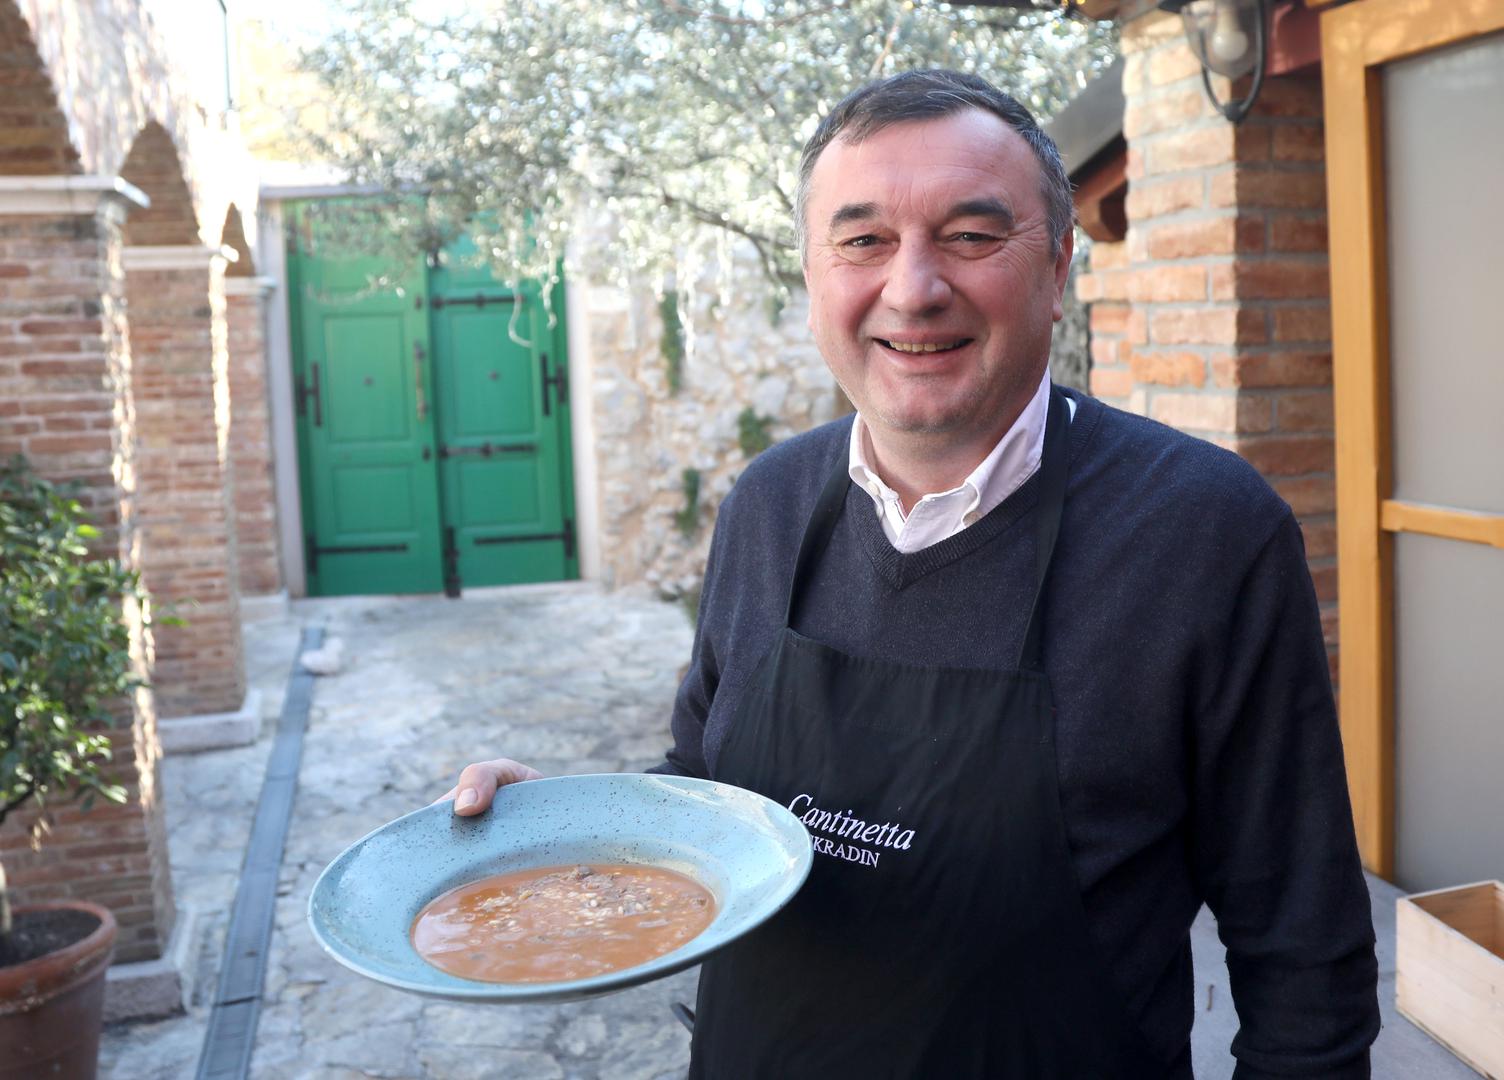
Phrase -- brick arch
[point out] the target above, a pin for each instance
(153, 166)
(233, 236)
(37, 142)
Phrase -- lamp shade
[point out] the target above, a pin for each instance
(1222, 33)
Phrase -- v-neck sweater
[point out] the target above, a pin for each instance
(938, 515)
(1196, 738)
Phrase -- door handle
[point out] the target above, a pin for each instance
(306, 391)
(422, 399)
(559, 380)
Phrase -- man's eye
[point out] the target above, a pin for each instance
(859, 241)
(975, 238)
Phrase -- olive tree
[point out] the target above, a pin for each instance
(677, 123)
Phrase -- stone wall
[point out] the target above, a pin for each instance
(749, 369)
(747, 362)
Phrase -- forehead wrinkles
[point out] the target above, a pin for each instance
(919, 170)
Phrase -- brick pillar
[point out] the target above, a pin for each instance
(178, 336)
(66, 402)
(1213, 315)
(251, 437)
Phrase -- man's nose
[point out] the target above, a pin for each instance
(916, 282)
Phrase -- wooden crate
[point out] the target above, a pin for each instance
(1449, 970)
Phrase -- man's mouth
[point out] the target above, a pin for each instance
(925, 346)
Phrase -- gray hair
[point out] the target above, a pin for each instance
(929, 95)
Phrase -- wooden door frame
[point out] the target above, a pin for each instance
(1356, 40)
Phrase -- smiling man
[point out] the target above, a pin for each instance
(1040, 677)
(935, 272)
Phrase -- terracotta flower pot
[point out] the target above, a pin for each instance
(50, 1007)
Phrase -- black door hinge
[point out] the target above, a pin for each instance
(566, 535)
(314, 551)
(478, 301)
(487, 449)
(452, 583)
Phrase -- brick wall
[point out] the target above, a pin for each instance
(178, 339)
(153, 166)
(114, 73)
(1213, 315)
(63, 355)
(33, 131)
(115, 855)
(66, 402)
(89, 91)
(232, 236)
(250, 437)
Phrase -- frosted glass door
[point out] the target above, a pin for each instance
(1444, 157)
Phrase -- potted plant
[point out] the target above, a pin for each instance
(65, 672)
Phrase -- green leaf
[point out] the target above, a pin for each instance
(66, 648)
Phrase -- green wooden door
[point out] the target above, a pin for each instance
(433, 423)
(370, 492)
(503, 431)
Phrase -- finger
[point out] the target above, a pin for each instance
(451, 793)
(478, 783)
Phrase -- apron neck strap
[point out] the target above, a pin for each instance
(1052, 469)
(1053, 466)
(817, 534)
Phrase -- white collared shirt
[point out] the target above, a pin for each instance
(941, 515)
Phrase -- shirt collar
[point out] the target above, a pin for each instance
(1003, 471)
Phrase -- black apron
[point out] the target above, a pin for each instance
(941, 931)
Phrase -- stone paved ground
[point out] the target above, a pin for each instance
(567, 678)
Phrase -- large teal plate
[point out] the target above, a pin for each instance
(751, 853)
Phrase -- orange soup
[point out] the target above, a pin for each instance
(560, 922)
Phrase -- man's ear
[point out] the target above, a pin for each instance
(1063, 272)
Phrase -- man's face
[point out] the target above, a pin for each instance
(932, 286)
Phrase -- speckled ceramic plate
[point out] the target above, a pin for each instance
(751, 853)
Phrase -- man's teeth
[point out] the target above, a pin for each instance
(902, 346)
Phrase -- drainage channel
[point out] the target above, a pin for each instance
(237, 1000)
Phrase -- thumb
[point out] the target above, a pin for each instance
(478, 783)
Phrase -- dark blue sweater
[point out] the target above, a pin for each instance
(1198, 745)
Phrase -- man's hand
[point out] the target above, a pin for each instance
(478, 783)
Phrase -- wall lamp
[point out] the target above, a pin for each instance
(1230, 38)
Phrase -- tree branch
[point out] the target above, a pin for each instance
(17, 801)
(759, 242)
(735, 20)
(877, 65)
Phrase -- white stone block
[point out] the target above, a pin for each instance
(155, 988)
(212, 731)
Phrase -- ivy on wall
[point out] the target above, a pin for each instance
(777, 301)
(752, 432)
(672, 345)
(688, 519)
